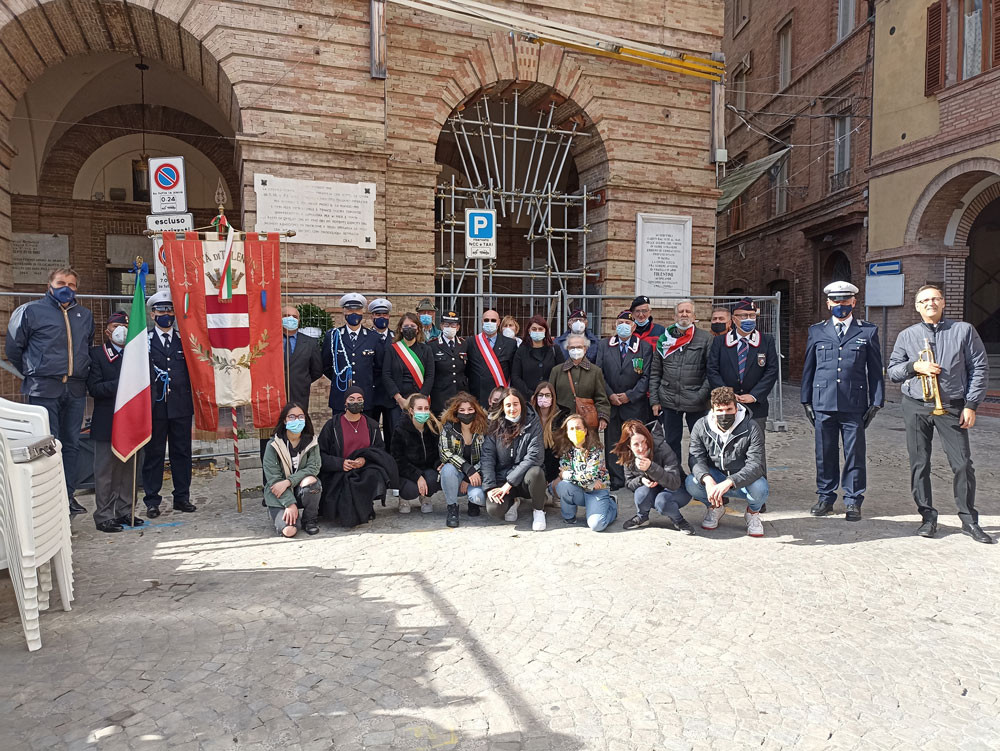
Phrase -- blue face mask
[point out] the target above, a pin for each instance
(290, 322)
(381, 323)
(490, 327)
(63, 295)
(421, 417)
(623, 330)
(353, 319)
(536, 336)
(842, 311)
(426, 320)
(164, 321)
(747, 325)
(296, 425)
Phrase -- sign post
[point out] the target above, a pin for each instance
(167, 187)
(165, 223)
(480, 244)
(884, 287)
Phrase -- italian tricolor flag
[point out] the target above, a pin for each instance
(133, 422)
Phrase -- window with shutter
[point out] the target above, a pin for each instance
(935, 55)
(995, 37)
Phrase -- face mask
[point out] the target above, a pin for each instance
(577, 353)
(409, 333)
(537, 336)
(63, 295)
(356, 407)
(164, 321)
(578, 327)
(508, 418)
(640, 321)
(725, 421)
(466, 418)
(509, 332)
(295, 426)
(353, 319)
(683, 326)
(290, 322)
(623, 330)
(747, 325)
(381, 323)
(544, 400)
(842, 311)
(119, 335)
(718, 328)
(449, 332)
(577, 436)
(426, 320)
(421, 417)
(489, 327)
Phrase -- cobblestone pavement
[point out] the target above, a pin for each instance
(207, 632)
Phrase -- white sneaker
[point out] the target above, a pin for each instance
(426, 507)
(713, 517)
(755, 527)
(404, 506)
(511, 515)
(538, 521)
(395, 492)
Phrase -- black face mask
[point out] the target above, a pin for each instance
(467, 419)
(409, 333)
(164, 321)
(725, 421)
(718, 328)
(355, 407)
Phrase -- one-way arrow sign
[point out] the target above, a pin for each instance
(883, 268)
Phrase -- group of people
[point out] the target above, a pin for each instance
(501, 419)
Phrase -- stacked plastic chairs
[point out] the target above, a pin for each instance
(34, 519)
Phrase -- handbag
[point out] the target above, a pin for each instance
(584, 407)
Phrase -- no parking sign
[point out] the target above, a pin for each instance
(167, 188)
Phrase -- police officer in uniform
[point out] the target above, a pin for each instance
(350, 354)
(381, 409)
(842, 390)
(450, 356)
(173, 410)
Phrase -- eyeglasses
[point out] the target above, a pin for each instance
(929, 300)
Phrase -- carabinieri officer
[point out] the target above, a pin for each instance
(350, 354)
(842, 389)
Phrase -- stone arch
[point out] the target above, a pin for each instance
(932, 212)
(972, 211)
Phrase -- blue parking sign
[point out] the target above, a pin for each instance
(480, 233)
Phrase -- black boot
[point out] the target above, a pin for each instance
(452, 520)
(821, 508)
(976, 532)
(929, 527)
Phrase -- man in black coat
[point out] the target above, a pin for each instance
(450, 354)
(489, 359)
(625, 360)
(113, 478)
(303, 363)
(173, 411)
(745, 360)
(350, 354)
(380, 410)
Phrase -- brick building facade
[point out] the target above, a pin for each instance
(286, 89)
(798, 77)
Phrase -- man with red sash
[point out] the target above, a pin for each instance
(489, 360)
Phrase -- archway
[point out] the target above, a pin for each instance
(836, 268)
(982, 283)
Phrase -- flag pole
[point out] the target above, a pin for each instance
(134, 490)
(236, 457)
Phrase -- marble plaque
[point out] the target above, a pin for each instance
(321, 213)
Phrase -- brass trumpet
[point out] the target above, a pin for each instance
(929, 383)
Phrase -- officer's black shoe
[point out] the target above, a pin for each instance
(474, 510)
(186, 506)
(853, 513)
(311, 528)
(452, 520)
(126, 521)
(763, 508)
(928, 528)
(821, 509)
(976, 533)
(152, 512)
(111, 526)
(75, 508)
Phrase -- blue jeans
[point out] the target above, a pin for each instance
(451, 479)
(755, 494)
(601, 507)
(667, 502)
(65, 421)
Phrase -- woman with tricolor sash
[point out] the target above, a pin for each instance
(408, 367)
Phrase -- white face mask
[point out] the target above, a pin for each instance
(509, 332)
(578, 327)
(119, 335)
(449, 332)
(577, 353)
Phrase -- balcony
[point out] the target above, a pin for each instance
(840, 180)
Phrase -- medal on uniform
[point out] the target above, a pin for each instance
(761, 359)
(637, 364)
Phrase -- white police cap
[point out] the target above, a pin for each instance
(353, 300)
(380, 305)
(840, 290)
(161, 298)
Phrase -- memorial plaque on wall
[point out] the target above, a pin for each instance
(33, 256)
(321, 213)
(663, 256)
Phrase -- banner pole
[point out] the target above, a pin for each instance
(236, 457)
(134, 489)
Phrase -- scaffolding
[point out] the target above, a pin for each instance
(490, 138)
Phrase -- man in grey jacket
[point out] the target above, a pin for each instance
(48, 341)
(962, 372)
(727, 461)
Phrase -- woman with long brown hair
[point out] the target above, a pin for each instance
(415, 449)
(543, 401)
(408, 367)
(653, 474)
(535, 357)
(585, 479)
(462, 433)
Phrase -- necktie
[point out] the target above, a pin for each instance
(354, 337)
(624, 348)
(741, 356)
(451, 345)
(840, 330)
(166, 341)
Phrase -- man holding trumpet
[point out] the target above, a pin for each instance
(943, 367)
